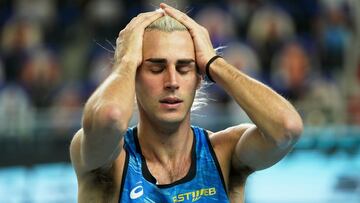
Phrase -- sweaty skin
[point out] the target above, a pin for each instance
(159, 68)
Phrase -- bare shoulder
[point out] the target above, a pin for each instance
(224, 143)
(226, 140)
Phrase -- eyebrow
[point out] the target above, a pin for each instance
(156, 60)
(164, 61)
(185, 61)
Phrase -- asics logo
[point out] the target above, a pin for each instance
(137, 191)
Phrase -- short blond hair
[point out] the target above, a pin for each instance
(166, 24)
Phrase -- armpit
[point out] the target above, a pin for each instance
(104, 179)
(240, 175)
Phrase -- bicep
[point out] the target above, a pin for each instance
(88, 154)
(256, 151)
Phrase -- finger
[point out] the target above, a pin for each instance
(148, 16)
(145, 18)
(180, 16)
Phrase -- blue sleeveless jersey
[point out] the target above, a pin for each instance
(203, 183)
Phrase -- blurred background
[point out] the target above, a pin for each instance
(54, 53)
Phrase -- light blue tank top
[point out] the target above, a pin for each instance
(203, 183)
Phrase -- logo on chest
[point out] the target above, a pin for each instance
(137, 191)
(194, 195)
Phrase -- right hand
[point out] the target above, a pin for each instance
(130, 40)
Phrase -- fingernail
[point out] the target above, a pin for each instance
(160, 10)
(164, 4)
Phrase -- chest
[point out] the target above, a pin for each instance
(170, 172)
(198, 177)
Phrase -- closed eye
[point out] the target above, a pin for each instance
(184, 68)
(157, 68)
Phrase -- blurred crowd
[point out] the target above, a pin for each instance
(54, 53)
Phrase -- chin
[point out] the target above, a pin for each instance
(171, 119)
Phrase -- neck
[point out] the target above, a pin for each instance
(165, 143)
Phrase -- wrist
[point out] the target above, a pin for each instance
(208, 65)
(126, 61)
(125, 65)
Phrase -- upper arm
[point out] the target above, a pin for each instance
(257, 151)
(244, 147)
(75, 148)
(86, 156)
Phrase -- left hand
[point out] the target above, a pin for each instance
(204, 50)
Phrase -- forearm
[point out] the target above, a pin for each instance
(106, 116)
(270, 112)
(111, 105)
(109, 109)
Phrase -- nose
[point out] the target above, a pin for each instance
(171, 80)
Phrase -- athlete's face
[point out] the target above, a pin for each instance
(167, 79)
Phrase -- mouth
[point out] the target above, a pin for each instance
(170, 100)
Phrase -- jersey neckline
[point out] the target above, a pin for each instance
(149, 177)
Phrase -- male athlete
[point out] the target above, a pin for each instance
(159, 58)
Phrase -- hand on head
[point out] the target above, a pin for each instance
(130, 40)
(204, 50)
(131, 37)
